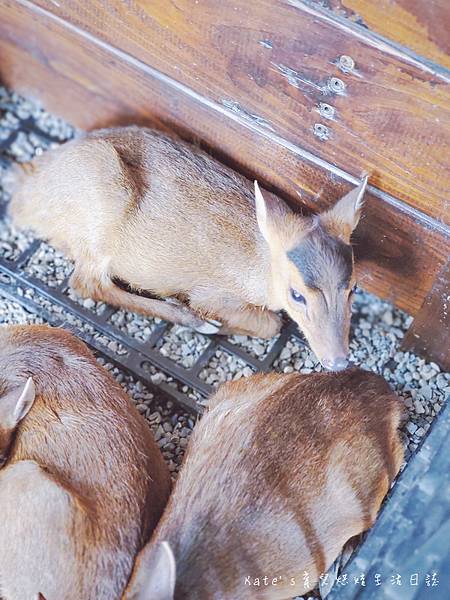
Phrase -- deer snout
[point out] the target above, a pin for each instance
(335, 364)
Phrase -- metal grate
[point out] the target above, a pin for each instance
(137, 357)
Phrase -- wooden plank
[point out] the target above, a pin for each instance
(422, 25)
(277, 62)
(429, 333)
(399, 250)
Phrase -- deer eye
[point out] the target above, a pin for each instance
(297, 297)
(353, 290)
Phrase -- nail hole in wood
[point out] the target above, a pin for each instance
(326, 110)
(336, 85)
(321, 131)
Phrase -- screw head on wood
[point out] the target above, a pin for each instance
(321, 131)
(346, 63)
(336, 85)
(326, 110)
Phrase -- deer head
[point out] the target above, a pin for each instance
(312, 270)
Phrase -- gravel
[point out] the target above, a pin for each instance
(16, 107)
(224, 367)
(14, 313)
(183, 346)
(49, 265)
(134, 325)
(296, 357)
(12, 241)
(69, 319)
(256, 347)
(89, 303)
(171, 426)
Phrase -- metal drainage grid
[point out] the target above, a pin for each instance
(136, 357)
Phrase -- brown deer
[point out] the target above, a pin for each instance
(279, 474)
(83, 483)
(139, 211)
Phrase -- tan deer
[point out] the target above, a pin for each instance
(279, 474)
(83, 483)
(140, 211)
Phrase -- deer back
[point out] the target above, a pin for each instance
(280, 473)
(86, 447)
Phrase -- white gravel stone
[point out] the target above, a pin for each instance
(183, 346)
(134, 325)
(14, 313)
(89, 303)
(419, 407)
(256, 347)
(411, 428)
(49, 265)
(12, 241)
(224, 367)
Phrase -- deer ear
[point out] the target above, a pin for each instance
(343, 217)
(268, 214)
(16, 404)
(154, 574)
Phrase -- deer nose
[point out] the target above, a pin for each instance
(335, 364)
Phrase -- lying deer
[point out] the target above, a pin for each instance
(83, 483)
(278, 497)
(141, 212)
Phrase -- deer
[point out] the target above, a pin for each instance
(155, 225)
(281, 471)
(82, 481)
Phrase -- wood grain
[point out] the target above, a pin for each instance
(429, 333)
(273, 61)
(421, 25)
(399, 250)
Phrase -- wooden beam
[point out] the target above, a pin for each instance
(353, 100)
(429, 333)
(419, 25)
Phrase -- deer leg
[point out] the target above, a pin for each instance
(253, 321)
(236, 317)
(102, 288)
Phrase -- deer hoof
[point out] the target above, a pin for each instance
(209, 327)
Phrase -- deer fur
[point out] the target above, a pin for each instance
(83, 483)
(135, 206)
(279, 474)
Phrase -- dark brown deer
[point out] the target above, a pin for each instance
(83, 483)
(139, 211)
(279, 474)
